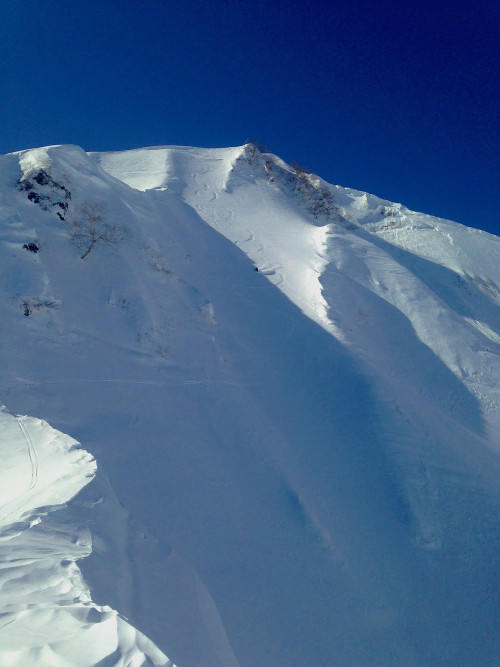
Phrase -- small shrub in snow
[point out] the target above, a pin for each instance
(257, 145)
(299, 169)
(91, 228)
(30, 305)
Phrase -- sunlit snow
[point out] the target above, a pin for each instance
(287, 398)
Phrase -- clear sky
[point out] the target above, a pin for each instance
(400, 99)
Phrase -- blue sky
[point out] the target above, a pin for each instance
(401, 100)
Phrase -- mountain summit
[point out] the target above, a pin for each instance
(287, 397)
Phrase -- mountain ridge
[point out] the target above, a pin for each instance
(290, 387)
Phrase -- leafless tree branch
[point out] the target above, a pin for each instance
(91, 228)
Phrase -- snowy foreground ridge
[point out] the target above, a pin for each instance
(287, 395)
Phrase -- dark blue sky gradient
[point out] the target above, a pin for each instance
(399, 99)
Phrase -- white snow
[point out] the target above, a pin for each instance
(48, 617)
(296, 464)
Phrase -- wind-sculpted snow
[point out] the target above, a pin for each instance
(47, 615)
(291, 390)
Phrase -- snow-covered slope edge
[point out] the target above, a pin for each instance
(47, 614)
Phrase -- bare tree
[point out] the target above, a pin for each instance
(91, 228)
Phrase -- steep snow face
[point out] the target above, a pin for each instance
(309, 237)
(297, 464)
(284, 245)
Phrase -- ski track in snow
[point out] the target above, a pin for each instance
(49, 617)
(31, 453)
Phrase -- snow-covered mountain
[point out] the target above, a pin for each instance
(287, 397)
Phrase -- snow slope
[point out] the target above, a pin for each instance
(296, 464)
